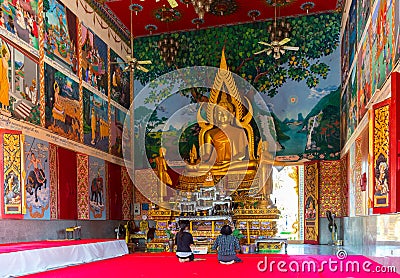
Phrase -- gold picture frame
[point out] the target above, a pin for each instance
(378, 201)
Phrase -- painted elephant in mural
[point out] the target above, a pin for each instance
(36, 179)
(97, 190)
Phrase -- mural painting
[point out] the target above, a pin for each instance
(62, 104)
(60, 35)
(20, 18)
(353, 112)
(363, 12)
(120, 88)
(117, 127)
(5, 77)
(24, 98)
(96, 127)
(94, 60)
(344, 110)
(364, 76)
(396, 30)
(97, 188)
(303, 94)
(309, 117)
(37, 181)
(345, 54)
(352, 31)
(382, 43)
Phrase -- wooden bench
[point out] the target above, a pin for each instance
(272, 240)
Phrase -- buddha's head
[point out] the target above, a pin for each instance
(224, 111)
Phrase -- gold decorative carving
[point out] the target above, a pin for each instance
(357, 173)
(13, 189)
(311, 197)
(109, 98)
(53, 181)
(41, 63)
(80, 83)
(381, 156)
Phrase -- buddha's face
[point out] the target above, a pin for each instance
(222, 115)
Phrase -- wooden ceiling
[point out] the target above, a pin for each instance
(151, 17)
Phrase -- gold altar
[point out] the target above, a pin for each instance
(228, 183)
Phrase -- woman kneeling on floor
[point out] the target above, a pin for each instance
(227, 246)
(184, 242)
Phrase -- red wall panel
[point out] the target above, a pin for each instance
(67, 184)
(115, 191)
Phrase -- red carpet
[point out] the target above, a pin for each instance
(23, 246)
(253, 265)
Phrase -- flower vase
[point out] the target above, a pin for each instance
(171, 245)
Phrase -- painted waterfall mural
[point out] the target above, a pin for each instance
(301, 88)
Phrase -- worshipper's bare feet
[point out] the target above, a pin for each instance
(230, 262)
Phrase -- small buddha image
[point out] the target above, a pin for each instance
(58, 107)
(381, 179)
(193, 155)
(266, 160)
(93, 125)
(209, 181)
(162, 173)
(310, 209)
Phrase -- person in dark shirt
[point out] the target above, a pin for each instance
(227, 246)
(184, 242)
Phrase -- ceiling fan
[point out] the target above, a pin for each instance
(277, 47)
(278, 40)
(133, 63)
(172, 3)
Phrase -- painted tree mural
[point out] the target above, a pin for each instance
(316, 35)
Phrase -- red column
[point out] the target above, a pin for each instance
(394, 143)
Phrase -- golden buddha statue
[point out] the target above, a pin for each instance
(225, 145)
(266, 160)
(226, 138)
(162, 174)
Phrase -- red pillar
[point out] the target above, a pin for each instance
(394, 143)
